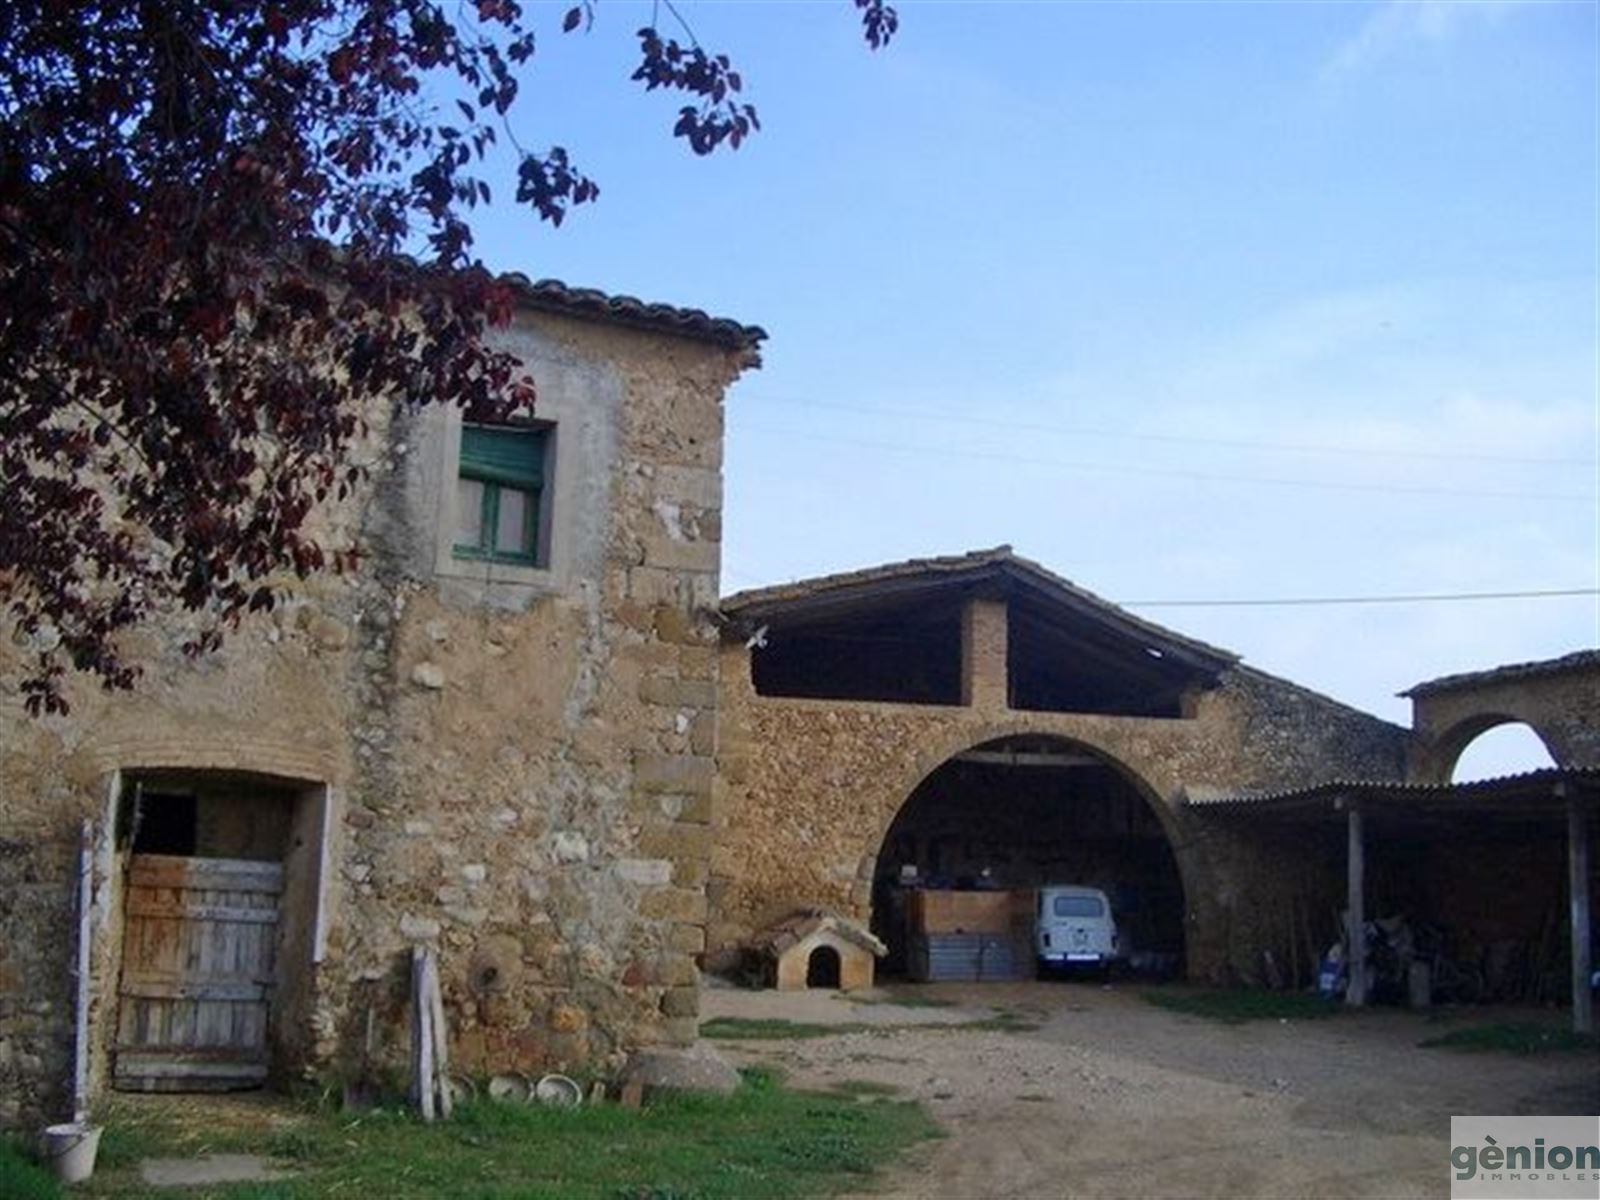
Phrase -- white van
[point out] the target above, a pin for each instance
(1074, 928)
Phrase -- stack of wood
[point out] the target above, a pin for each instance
(430, 1042)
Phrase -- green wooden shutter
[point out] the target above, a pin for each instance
(500, 454)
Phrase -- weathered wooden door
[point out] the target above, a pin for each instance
(197, 973)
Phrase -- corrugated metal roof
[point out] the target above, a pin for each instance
(1579, 660)
(1207, 798)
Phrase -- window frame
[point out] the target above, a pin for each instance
(493, 484)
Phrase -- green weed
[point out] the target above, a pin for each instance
(1236, 1006)
(1515, 1037)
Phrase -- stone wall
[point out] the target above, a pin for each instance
(516, 763)
(808, 788)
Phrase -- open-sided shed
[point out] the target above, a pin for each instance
(1465, 848)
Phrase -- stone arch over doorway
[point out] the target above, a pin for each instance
(1559, 699)
(1443, 736)
(1155, 781)
(1450, 747)
(1025, 809)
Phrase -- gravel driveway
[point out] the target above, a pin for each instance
(1111, 1096)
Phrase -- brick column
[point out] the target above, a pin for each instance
(983, 654)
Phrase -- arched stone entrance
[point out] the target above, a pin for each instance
(1559, 699)
(1030, 809)
(1504, 747)
(1436, 753)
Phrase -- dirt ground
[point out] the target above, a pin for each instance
(1112, 1096)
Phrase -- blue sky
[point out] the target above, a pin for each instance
(1183, 300)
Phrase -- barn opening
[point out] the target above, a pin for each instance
(899, 651)
(218, 883)
(954, 885)
(823, 968)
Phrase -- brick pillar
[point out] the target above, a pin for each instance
(983, 654)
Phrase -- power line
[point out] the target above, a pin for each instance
(1424, 598)
(1171, 472)
(1174, 438)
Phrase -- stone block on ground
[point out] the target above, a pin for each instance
(697, 1068)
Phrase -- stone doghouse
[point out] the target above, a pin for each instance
(498, 738)
(528, 733)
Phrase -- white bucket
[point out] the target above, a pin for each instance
(69, 1150)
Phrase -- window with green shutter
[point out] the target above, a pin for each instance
(499, 488)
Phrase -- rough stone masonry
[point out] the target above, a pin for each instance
(510, 762)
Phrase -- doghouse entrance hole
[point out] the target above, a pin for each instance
(822, 968)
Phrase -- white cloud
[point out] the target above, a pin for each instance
(1397, 26)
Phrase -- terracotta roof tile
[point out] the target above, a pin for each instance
(551, 295)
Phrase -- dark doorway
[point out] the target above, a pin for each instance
(822, 968)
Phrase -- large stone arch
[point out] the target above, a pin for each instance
(1561, 706)
(897, 789)
(1438, 754)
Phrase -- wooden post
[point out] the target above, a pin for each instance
(1356, 992)
(422, 1079)
(441, 1036)
(1578, 891)
(80, 1035)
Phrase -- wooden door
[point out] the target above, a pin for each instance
(197, 973)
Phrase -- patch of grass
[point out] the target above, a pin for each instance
(295, 1145)
(1236, 1006)
(1002, 1022)
(21, 1176)
(1034, 1098)
(1515, 1037)
(764, 1140)
(901, 998)
(123, 1144)
(864, 1087)
(863, 1056)
(773, 1029)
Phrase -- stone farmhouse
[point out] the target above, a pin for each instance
(497, 738)
(530, 734)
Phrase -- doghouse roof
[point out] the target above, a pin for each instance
(791, 931)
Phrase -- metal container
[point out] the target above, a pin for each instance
(969, 958)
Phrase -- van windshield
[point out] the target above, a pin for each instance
(1079, 906)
